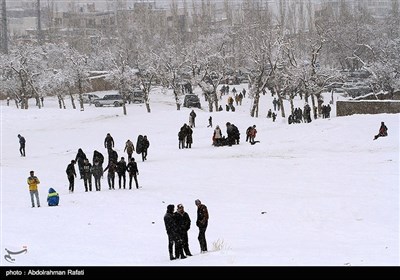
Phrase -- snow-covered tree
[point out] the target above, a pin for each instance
(26, 63)
(264, 50)
(122, 75)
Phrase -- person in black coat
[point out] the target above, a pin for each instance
(97, 170)
(113, 156)
(87, 175)
(71, 174)
(109, 142)
(173, 236)
(183, 222)
(145, 146)
(133, 172)
(202, 223)
(80, 159)
(121, 170)
(189, 137)
(112, 168)
(21, 145)
(97, 156)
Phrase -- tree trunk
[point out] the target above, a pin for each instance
(254, 108)
(72, 100)
(80, 90)
(314, 108)
(215, 97)
(280, 100)
(291, 105)
(63, 102)
(177, 100)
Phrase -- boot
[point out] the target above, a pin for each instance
(171, 256)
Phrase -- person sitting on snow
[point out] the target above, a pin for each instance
(382, 131)
(53, 198)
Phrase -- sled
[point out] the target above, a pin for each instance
(139, 144)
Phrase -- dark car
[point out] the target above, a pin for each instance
(88, 97)
(137, 96)
(191, 100)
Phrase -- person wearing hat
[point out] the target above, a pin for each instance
(53, 198)
(173, 235)
(71, 174)
(202, 223)
(33, 182)
(183, 221)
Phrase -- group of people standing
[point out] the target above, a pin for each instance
(177, 225)
(87, 170)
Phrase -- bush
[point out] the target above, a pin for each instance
(220, 245)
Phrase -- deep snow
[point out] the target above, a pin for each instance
(322, 193)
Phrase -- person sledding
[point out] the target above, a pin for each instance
(53, 198)
(382, 131)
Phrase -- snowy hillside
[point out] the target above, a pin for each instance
(322, 193)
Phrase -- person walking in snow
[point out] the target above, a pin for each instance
(129, 149)
(133, 173)
(71, 175)
(209, 122)
(121, 171)
(21, 145)
(112, 168)
(145, 146)
(97, 156)
(33, 182)
(97, 170)
(87, 175)
(53, 198)
(202, 223)
(80, 159)
(109, 144)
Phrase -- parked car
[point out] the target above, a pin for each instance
(89, 97)
(191, 100)
(137, 96)
(109, 100)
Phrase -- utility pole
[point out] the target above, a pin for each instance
(4, 32)
(39, 25)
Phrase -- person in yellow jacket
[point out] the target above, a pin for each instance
(33, 182)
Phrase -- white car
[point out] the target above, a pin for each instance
(115, 100)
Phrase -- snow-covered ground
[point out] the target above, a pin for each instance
(319, 194)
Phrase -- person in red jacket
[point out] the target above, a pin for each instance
(382, 131)
(202, 223)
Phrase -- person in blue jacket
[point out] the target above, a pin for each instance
(53, 198)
